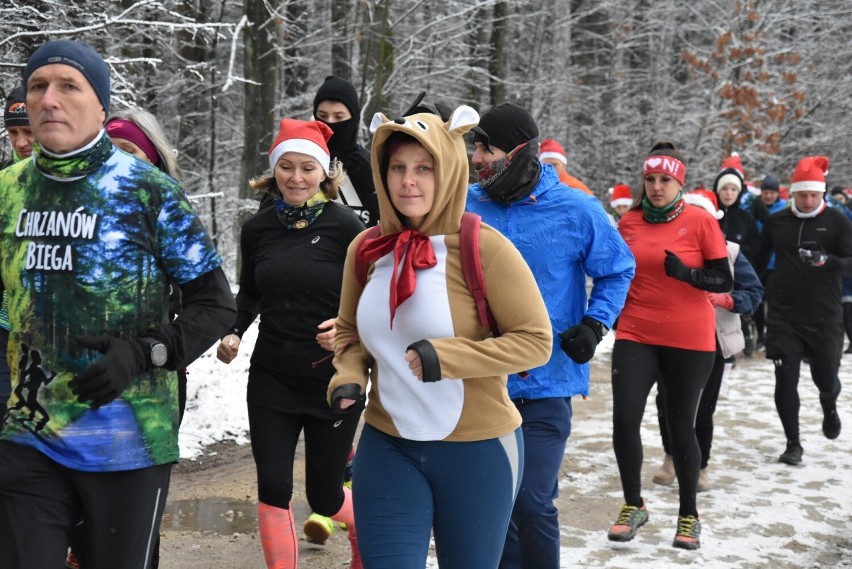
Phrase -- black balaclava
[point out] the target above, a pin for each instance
(345, 137)
(506, 127)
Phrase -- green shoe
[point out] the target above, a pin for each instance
(688, 533)
(318, 529)
(630, 519)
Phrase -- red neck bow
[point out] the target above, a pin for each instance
(418, 254)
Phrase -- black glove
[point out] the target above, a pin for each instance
(677, 270)
(108, 377)
(816, 258)
(580, 341)
(346, 391)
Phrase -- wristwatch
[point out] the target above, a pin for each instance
(159, 353)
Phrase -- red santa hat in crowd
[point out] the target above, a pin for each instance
(552, 149)
(809, 175)
(705, 199)
(620, 195)
(733, 161)
(304, 137)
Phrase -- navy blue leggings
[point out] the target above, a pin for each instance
(463, 491)
(532, 541)
(682, 376)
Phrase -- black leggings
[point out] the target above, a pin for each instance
(704, 417)
(682, 375)
(274, 435)
(787, 388)
(847, 321)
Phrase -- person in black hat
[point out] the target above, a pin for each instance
(564, 236)
(17, 124)
(100, 237)
(336, 104)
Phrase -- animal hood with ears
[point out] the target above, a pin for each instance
(445, 142)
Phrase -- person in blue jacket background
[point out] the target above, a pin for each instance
(766, 204)
(838, 200)
(564, 236)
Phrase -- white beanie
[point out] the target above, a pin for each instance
(728, 179)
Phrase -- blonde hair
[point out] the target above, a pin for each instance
(149, 125)
(330, 186)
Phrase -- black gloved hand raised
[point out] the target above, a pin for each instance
(580, 341)
(108, 377)
(677, 270)
(345, 391)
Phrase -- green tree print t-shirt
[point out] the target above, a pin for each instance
(84, 257)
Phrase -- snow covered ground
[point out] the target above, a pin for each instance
(759, 513)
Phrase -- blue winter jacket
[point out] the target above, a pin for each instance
(748, 292)
(564, 235)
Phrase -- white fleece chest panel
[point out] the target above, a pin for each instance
(420, 411)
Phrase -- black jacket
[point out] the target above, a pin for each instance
(800, 292)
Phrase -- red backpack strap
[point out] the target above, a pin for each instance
(472, 269)
(360, 264)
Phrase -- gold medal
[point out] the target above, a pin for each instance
(301, 224)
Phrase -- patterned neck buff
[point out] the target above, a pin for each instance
(74, 165)
(512, 177)
(418, 254)
(300, 216)
(652, 214)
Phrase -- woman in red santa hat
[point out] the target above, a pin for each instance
(292, 270)
(666, 335)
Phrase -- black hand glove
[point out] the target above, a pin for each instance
(108, 377)
(817, 258)
(346, 391)
(677, 270)
(580, 341)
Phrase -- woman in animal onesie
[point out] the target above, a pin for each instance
(441, 448)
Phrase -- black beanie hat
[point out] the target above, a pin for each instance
(15, 108)
(770, 182)
(336, 88)
(837, 190)
(505, 126)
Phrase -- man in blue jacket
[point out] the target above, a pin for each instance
(565, 236)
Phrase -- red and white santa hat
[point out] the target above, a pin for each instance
(304, 137)
(620, 195)
(705, 199)
(733, 161)
(809, 175)
(552, 149)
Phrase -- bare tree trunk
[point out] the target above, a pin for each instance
(379, 62)
(497, 60)
(193, 105)
(296, 76)
(341, 45)
(478, 57)
(260, 69)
